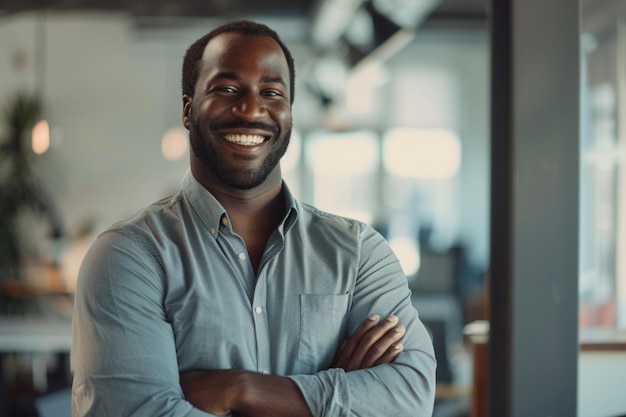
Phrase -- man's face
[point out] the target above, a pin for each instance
(239, 118)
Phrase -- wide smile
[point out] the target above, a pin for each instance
(245, 139)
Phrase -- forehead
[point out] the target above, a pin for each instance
(235, 52)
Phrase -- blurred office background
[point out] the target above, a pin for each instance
(392, 126)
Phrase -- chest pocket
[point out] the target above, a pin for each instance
(323, 319)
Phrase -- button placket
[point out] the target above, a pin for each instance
(261, 326)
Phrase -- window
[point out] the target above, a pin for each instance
(603, 177)
(421, 188)
(344, 167)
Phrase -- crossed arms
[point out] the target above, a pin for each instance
(256, 395)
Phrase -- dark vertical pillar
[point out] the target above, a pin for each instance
(533, 352)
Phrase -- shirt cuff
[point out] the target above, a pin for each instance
(326, 393)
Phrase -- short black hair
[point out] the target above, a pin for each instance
(193, 56)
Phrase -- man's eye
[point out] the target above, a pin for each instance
(272, 93)
(225, 89)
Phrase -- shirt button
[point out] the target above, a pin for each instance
(212, 230)
(242, 256)
(258, 310)
(224, 221)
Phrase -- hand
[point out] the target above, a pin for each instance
(374, 342)
(211, 391)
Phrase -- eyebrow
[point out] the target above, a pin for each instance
(236, 77)
(228, 76)
(268, 79)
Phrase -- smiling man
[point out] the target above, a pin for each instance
(233, 298)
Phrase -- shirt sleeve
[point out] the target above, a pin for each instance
(405, 387)
(123, 354)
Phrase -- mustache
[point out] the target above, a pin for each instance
(245, 125)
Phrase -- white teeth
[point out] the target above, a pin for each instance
(248, 140)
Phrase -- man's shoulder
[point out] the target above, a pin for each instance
(312, 213)
(152, 218)
(324, 221)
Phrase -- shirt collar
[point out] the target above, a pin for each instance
(292, 209)
(203, 203)
(211, 211)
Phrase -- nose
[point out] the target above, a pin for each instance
(249, 107)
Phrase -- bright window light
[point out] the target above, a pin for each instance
(344, 153)
(408, 254)
(422, 153)
(343, 166)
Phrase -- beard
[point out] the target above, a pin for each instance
(211, 159)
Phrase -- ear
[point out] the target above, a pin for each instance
(186, 111)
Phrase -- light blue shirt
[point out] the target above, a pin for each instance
(172, 290)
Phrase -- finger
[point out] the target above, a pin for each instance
(391, 354)
(382, 345)
(346, 351)
(368, 324)
(377, 340)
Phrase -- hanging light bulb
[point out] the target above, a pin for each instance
(40, 140)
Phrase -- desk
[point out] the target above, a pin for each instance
(35, 335)
(602, 339)
(39, 337)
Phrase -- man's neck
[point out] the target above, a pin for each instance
(254, 214)
(255, 219)
(243, 203)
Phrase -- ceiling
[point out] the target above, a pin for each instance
(167, 8)
(466, 14)
(446, 12)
